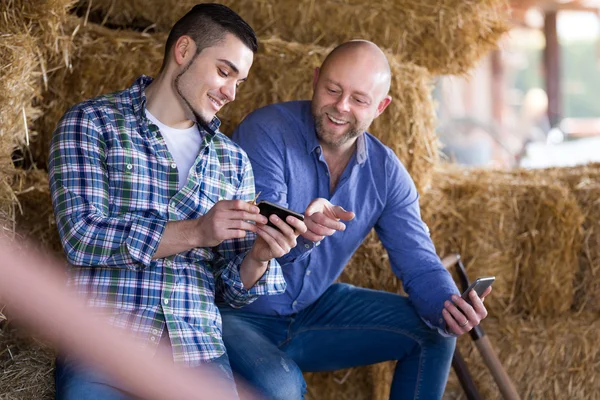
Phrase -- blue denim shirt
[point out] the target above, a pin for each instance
(290, 170)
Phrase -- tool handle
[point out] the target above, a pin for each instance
(491, 360)
(450, 261)
(464, 376)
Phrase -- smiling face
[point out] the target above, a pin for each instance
(210, 79)
(349, 93)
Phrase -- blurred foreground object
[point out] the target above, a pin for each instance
(37, 296)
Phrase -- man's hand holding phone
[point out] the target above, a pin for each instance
(275, 238)
(464, 313)
(278, 239)
(323, 219)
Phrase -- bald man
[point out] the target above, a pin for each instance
(317, 156)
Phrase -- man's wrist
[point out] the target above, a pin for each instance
(254, 262)
(193, 235)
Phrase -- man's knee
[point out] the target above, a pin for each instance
(280, 379)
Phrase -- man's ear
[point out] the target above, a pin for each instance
(316, 78)
(184, 49)
(383, 105)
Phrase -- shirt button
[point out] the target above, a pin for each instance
(307, 272)
(154, 332)
(129, 166)
(327, 173)
(307, 246)
(153, 339)
(294, 304)
(441, 320)
(173, 165)
(318, 150)
(166, 301)
(168, 263)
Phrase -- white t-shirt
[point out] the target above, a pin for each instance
(183, 144)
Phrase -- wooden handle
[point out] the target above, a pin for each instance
(464, 376)
(450, 261)
(502, 379)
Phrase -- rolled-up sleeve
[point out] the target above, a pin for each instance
(231, 254)
(80, 197)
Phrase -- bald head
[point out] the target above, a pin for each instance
(351, 54)
(350, 91)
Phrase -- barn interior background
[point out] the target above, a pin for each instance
(466, 98)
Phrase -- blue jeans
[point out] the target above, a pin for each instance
(346, 327)
(75, 381)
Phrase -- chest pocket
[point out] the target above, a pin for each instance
(214, 186)
(129, 182)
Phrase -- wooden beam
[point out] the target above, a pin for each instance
(552, 68)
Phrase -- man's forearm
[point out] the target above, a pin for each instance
(179, 236)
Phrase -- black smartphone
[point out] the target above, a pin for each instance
(479, 285)
(267, 208)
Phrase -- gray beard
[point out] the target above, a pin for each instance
(351, 134)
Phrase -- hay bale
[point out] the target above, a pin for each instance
(43, 19)
(35, 216)
(525, 232)
(573, 177)
(27, 366)
(281, 71)
(587, 280)
(444, 36)
(556, 358)
(101, 61)
(350, 384)
(7, 202)
(18, 87)
(30, 31)
(582, 182)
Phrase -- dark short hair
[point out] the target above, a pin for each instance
(207, 24)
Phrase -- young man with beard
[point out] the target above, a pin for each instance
(314, 154)
(153, 204)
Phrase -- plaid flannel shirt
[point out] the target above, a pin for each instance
(114, 186)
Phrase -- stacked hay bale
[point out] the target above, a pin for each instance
(509, 226)
(524, 227)
(28, 50)
(30, 31)
(446, 36)
(101, 61)
(587, 287)
(281, 71)
(583, 181)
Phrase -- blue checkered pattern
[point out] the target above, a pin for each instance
(114, 186)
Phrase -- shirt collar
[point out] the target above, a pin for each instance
(312, 143)
(137, 94)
